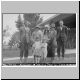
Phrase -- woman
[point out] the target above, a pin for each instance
(52, 44)
(37, 37)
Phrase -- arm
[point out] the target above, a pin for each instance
(32, 37)
(57, 32)
(33, 48)
(66, 29)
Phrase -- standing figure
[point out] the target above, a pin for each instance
(37, 52)
(24, 41)
(37, 36)
(46, 40)
(53, 41)
(61, 38)
(44, 50)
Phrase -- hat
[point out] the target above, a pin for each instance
(36, 27)
(47, 26)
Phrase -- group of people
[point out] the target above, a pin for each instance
(42, 41)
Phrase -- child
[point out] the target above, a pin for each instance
(44, 47)
(37, 52)
(44, 50)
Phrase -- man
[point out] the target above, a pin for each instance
(61, 38)
(52, 43)
(24, 41)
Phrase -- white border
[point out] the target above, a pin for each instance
(40, 0)
(76, 40)
(0, 40)
(54, 65)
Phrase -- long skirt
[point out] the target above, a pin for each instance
(50, 49)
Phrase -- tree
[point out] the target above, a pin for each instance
(33, 18)
(6, 31)
(11, 43)
(14, 39)
(19, 22)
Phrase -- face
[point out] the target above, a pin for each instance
(61, 23)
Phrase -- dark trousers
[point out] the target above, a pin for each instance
(51, 49)
(60, 47)
(24, 52)
(24, 47)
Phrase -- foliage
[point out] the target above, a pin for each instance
(19, 22)
(33, 18)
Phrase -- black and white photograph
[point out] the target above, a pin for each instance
(39, 39)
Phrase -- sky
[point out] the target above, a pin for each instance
(9, 22)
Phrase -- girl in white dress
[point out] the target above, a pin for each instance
(44, 50)
(37, 52)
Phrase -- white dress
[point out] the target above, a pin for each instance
(44, 50)
(37, 49)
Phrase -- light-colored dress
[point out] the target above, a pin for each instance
(40, 43)
(37, 36)
(44, 50)
(37, 50)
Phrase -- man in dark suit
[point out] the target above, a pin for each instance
(61, 38)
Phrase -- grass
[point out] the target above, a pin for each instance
(69, 58)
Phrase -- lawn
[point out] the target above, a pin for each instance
(70, 57)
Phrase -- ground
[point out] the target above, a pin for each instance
(12, 56)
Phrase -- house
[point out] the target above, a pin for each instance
(69, 20)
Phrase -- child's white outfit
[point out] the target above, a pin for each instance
(40, 49)
(37, 49)
(44, 50)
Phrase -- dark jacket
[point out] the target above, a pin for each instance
(62, 34)
(52, 36)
